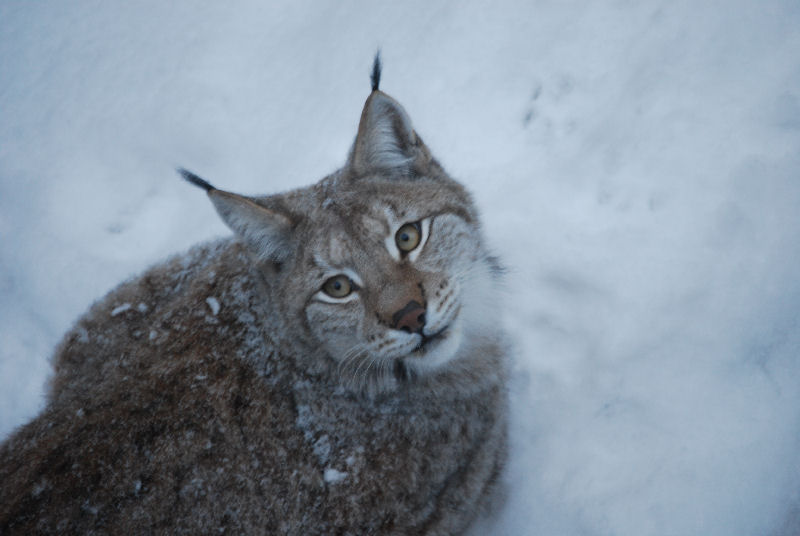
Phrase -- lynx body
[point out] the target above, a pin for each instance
(335, 368)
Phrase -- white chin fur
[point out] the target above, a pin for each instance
(477, 314)
(440, 351)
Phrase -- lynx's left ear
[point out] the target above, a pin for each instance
(386, 141)
(268, 233)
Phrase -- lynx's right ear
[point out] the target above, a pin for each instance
(267, 232)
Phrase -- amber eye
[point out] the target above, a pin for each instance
(408, 237)
(338, 286)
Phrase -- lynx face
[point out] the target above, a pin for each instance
(382, 263)
(399, 283)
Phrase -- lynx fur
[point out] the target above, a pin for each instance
(336, 367)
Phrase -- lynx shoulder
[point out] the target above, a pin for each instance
(335, 367)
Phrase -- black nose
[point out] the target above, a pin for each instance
(410, 318)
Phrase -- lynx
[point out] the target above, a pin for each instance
(336, 367)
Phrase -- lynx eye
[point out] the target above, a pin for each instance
(338, 286)
(408, 237)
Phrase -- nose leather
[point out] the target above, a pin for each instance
(410, 318)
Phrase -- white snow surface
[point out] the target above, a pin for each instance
(637, 165)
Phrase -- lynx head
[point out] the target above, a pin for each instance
(381, 264)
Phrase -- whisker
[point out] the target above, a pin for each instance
(351, 356)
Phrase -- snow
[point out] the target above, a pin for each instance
(120, 309)
(637, 165)
(332, 476)
(213, 304)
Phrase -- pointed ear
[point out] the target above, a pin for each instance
(386, 141)
(267, 232)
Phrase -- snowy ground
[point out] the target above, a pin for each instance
(638, 167)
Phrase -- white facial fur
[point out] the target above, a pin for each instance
(447, 272)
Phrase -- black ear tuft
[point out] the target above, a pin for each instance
(375, 77)
(194, 179)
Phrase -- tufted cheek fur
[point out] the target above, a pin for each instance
(339, 327)
(449, 277)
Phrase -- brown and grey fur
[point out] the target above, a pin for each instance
(223, 392)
